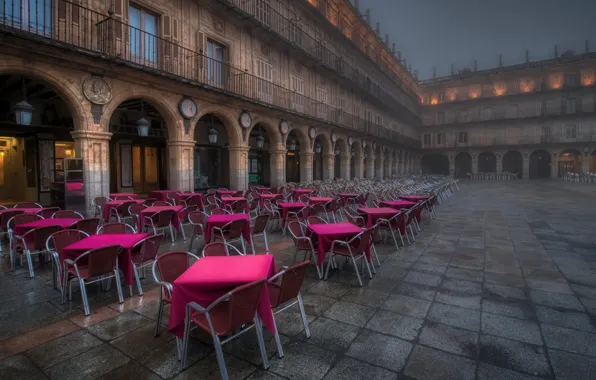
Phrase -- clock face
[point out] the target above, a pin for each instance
(188, 108)
(312, 133)
(284, 127)
(245, 120)
(333, 137)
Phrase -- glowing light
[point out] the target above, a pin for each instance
(526, 85)
(556, 81)
(500, 89)
(587, 78)
(434, 101)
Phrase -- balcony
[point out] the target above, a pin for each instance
(291, 37)
(85, 31)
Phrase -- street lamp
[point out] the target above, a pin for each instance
(212, 136)
(318, 148)
(337, 151)
(292, 144)
(260, 141)
(24, 110)
(142, 123)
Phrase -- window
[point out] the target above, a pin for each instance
(341, 103)
(263, 11)
(265, 84)
(215, 63)
(321, 103)
(570, 131)
(571, 80)
(298, 94)
(464, 116)
(379, 120)
(570, 106)
(32, 15)
(440, 138)
(427, 139)
(545, 134)
(143, 35)
(487, 113)
(462, 137)
(295, 32)
(441, 117)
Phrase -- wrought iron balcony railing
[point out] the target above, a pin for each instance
(76, 27)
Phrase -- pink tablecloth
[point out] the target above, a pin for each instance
(399, 204)
(374, 213)
(263, 197)
(153, 209)
(161, 195)
(222, 220)
(25, 210)
(289, 207)
(298, 192)
(63, 223)
(223, 193)
(130, 195)
(225, 201)
(127, 241)
(326, 233)
(111, 204)
(260, 189)
(211, 277)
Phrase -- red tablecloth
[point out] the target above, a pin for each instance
(111, 204)
(25, 210)
(288, 207)
(161, 195)
(225, 201)
(127, 241)
(263, 197)
(63, 223)
(221, 220)
(298, 192)
(153, 209)
(399, 204)
(414, 198)
(326, 233)
(212, 277)
(315, 200)
(223, 193)
(131, 195)
(372, 214)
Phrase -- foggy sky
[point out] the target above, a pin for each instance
(441, 32)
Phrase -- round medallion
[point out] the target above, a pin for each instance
(97, 90)
(284, 127)
(187, 108)
(350, 140)
(245, 119)
(312, 133)
(333, 137)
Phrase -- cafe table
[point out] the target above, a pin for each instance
(264, 197)
(211, 277)
(326, 233)
(149, 211)
(226, 201)
(347, 196)
(226, 193)
(397, 204)
(129, 195)
(375, 213)
(126, 241)
(223, 219)
(317, 200)
(260, 189)
(108, 206)
(21, 229)
(289, 207)
(296, 193)
(161, 195)
(28, 210)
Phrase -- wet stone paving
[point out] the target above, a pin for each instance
(502, 285)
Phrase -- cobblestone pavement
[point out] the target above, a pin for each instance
(501, 286)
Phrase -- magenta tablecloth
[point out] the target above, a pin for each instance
(399, 204)
(153, 209)
(224, 193)
(62, 222)
(326, 233)
(225, 201)
(374, 213)
(212, 277)
(25, 210)
(127, 241)
(298, 192)
(288, 207)
(161, 195)
(323, 200)
(263, 197)
(131, 195)
(222, 220)
(414, 198)
(111, 204)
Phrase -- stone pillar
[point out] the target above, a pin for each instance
(526, 167)
(306, 167)
(344, 166)
(358, 166)
(554, 165)
(328, 166)
(370, 167)
(277, 163)
(238, 167)
(180, 165)
(451, 164)
(379, 168)
(93, 148)
(475, 163)
(499, 158)
(585, 163)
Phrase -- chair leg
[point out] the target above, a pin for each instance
(280, 351)
(138, 280)
(266, 243)
(84, 296)
(172, 233)
(252, 245)
(259, 331)
(244, 245)
(29, 263)
(65, 285)
(159, 313)
(118, 285)
(367, 265)
(328, 266)
(303, 314)
(357, 271)
(394, 239)
(185, 338)
(220, 358)
(374, 249)
(182, 231)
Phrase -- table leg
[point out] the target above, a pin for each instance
(130, 289)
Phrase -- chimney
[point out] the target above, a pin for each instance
(387, 39)
(367, 16)
(556, 51)
(587, 46)
(416, 74)
(393, 48)
(527, 56)
(378, 29)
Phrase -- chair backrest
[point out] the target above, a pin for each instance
(304, 198)
(260, 223)
(161, 203)
(24, 218)
(122, 197)
(219, 211)
(6, 216)
(215, 249)
(149, 202)
(313, 219)
(101, 260)
(239, 193)
(48, 212)
(162, 218)
(291, 281)
(237, 207)
(234, 228)
(195, 200)
(88, 225)
(62, 214)
(211, 191)
(317, 209)
(222, 189)
(37, 237)
(147, 249)
(122, 208)
(198, 219)
(296, 229)
(135, 209)
(60, 239)
(116, 228)
(171, 265)
(254, 204)
(100, 201)
(27, 205)
(242, 304)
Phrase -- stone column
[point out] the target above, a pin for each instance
(93, 148)
(406, 163)
(358, 166)
(526, 166)
(328, 166)
(306, 167)
(180, 165)
(238, 167)
(475, 163)
(379, 168)
(370, 167)
(344, 166)
(585, 163)
(554, 165)
(277, 159)
(499, 158)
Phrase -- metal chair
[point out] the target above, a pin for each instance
(121, 212)
(393, 224)
(219, 211)
(143, 254)
(161, 221)
(229, 316)
(198, 219)
(273, 211)
(259, 228)
(231, 231)
(314, 219)
(168, 267)
(32, 242)
(55, 244)
(149, 202)
(303, 242)
(135, 212)
(101, 264)
(15, 220)
(116, 228)
(67, 214)
(355, 248)
(161, 204)
(219, 249)
(89, 225)
(27, 205)
(123, 197)
(48, 212)
(4, 230)
(354, 218)
(98, 203)
(283, 288)
(236, 207)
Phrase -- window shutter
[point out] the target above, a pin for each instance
(76, 11)
(175, 39)
(201, 56)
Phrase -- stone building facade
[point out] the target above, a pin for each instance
(535, 119)
(191, 94)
